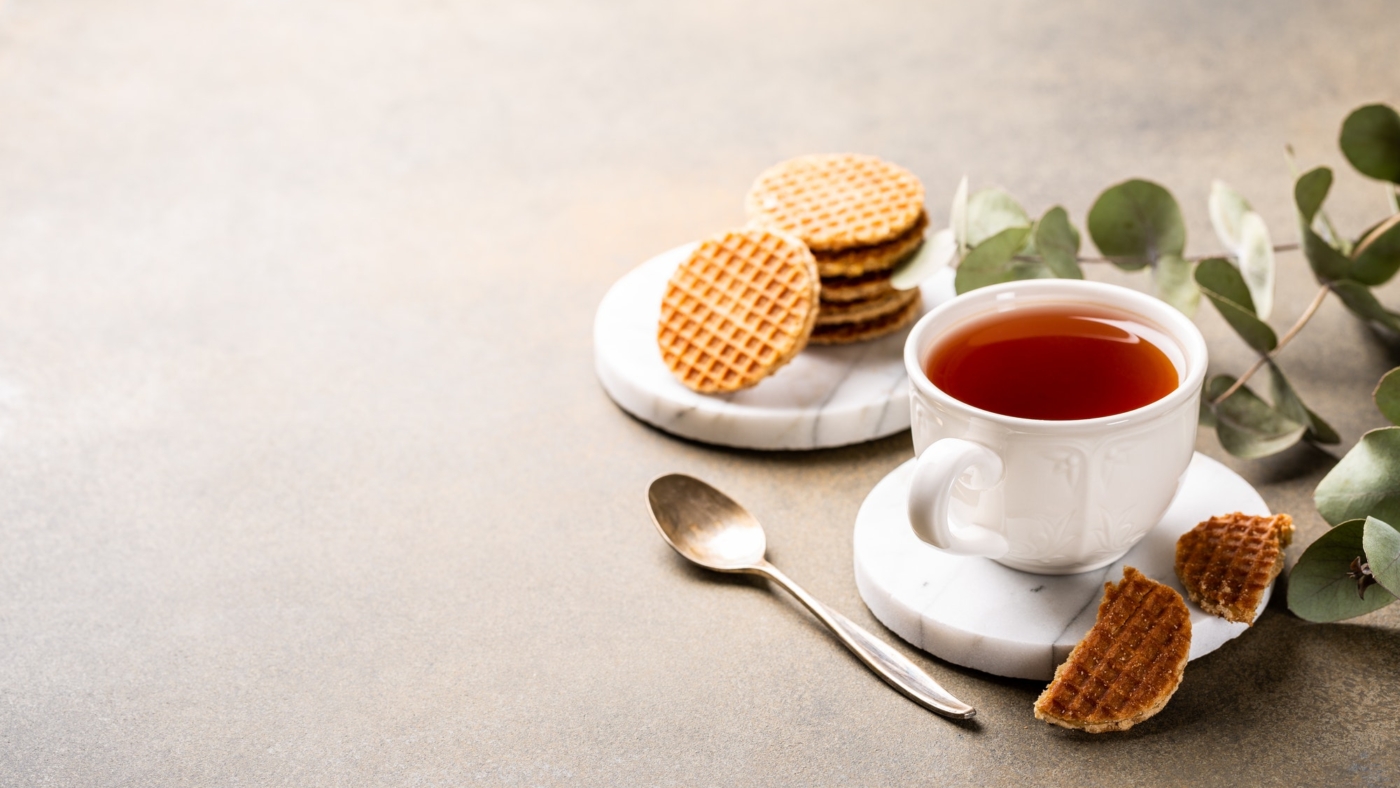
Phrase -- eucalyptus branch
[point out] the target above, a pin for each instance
(1195, 258)
(1283, 342)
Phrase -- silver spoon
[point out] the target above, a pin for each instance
(707, 527)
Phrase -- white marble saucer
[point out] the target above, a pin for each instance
(977, 613)
(827, 396)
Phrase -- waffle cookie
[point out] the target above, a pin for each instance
(1128, 666)
(1226, 563)
(741, 306)
(865, 310)
(846, 333)
(882, 257)
(836, 201)
(844, 289)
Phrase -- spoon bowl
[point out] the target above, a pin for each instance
(705, 525)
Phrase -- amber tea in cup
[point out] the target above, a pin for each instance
(1053, 362)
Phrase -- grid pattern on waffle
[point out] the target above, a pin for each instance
(846, 333)
(1129, 664)
(881, 257)
(836, 201)
(1226, 563)
(742, 305)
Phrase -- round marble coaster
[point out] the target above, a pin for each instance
(979, 614)
(827, 396)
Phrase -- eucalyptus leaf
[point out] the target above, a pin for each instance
(1257, 263)
(1382, 545)
(1327, 263)
(933, 256)
(1227, 210)
(1223, 284)
(1366, 483)
(1206, 418)
(992, 262)
(1058, 243)
(1310, 190)
(1371, 141)
(1287, 402)
(1387, 396)
(1137, 222)
(1246, 425)
(1377, 254)
(989, 212)
(1362, 303)
(957, 215)
(1321, 586)
(1173, 280)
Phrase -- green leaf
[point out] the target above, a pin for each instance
(1377, 254)
(957, 215)
(1207, 414)
(1387, 396)
(1225, 287)
(1371, 141)
(1287, 402)
(1227, 210)
(1310, 190)
(1058, 243)
(1327, 263)
(1174, 283)
(1320, 587)
(1247, 426)
(991, 211)
(1382, 545)
(990, 262)
(1257, 263)
(933, 256)
(1362, 303)
(1137, 222)
(1366, 483)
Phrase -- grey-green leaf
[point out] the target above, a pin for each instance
(1362, 302)
(990, 262)
(1371, 141)
(1136, 222)
(1387, 396)
(1257, 262)
(1287, 402)
(991, 211)
(931, 257)
(1227, 210)
(957, 215)
(1366, 483)
(1377, 255)
(1058, 243)
(1321, 588)
(1247, 426)
(1382, 545)
(1225, 287)
(1310, 190)
(1327, 263)
(1173, 280)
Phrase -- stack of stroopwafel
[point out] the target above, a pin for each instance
(860, 216)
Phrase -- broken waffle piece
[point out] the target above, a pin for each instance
(1227, 563)
(1128, 666)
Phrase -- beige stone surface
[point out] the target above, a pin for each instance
(305, 478)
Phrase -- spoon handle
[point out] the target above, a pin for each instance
(887, 663)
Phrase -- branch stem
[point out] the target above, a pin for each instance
(1282, 342)
(1025, 258)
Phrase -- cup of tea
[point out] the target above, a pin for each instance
(1053, 420)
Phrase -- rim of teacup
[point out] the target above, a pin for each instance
(1178, 327)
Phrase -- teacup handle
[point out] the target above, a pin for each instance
(940, 467)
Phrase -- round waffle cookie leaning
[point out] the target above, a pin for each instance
(836, 201)
(739, 307)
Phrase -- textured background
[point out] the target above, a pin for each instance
(305, 478)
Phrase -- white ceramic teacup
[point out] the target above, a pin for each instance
(1054, 497)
